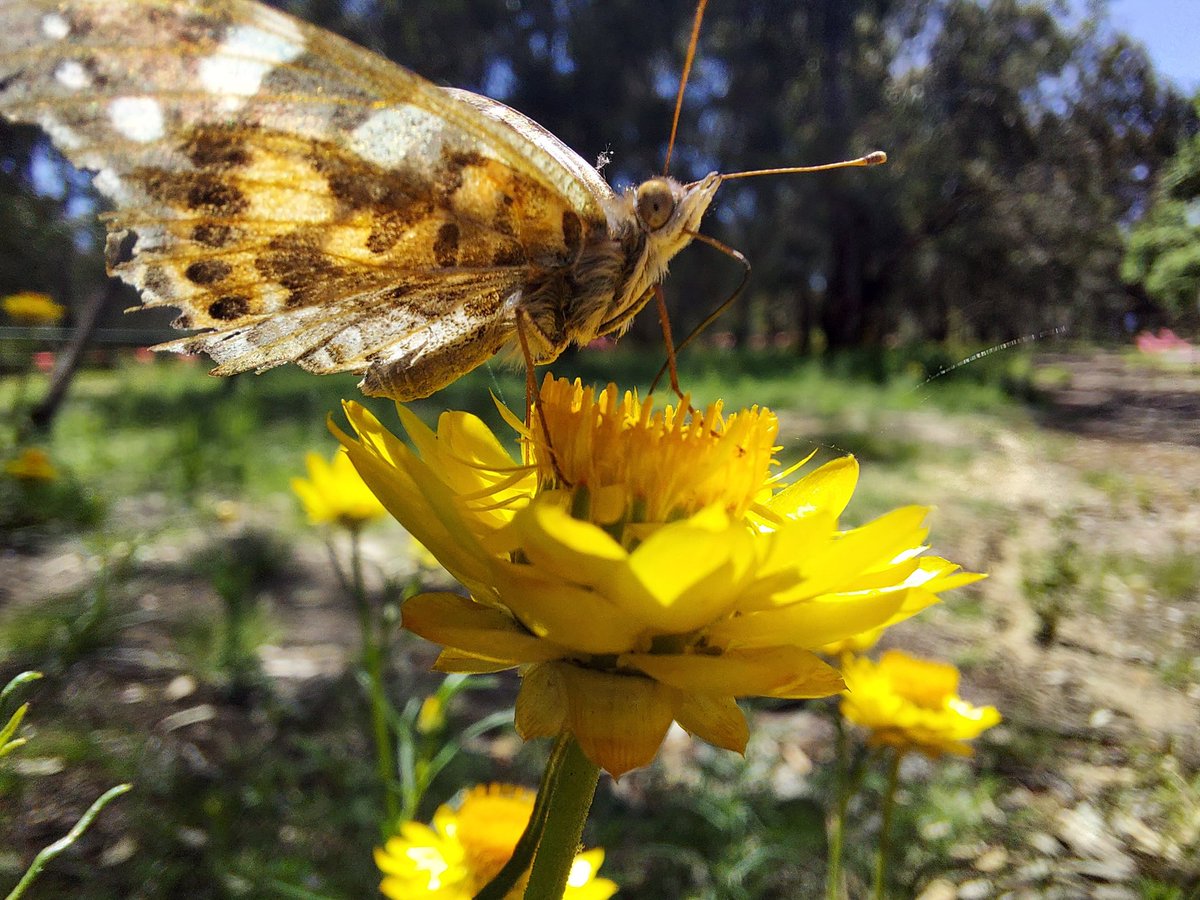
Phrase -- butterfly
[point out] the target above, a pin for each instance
(301, 199)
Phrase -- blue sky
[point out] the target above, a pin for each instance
(1170, 29)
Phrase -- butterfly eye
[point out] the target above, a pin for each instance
(655, 203)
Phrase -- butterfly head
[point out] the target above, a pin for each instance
(669, 213)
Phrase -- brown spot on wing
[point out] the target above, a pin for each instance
(207, 271)
(212, 234)
(209, 193)
(445, 247)
(216, 146)
(297, 261)
(391, 225)
(158, 282)
(229, 308)
(201, 191)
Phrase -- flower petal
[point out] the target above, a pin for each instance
(686, 574)
(828, 489)
(619, 720)
(405, 487)
(459, 662)
(716, 719)
(768, 672)
(541, 709)
(809, 623)
(571, 616)
(569, 548)
(864, 549)
(461, 623)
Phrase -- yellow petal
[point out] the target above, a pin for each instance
(619, 720)
(863, 549)
(686, 575)
(570, 616)
(712, 718)
(570, 548)
(767, 672)
(542, 702)
(809, 623)
(827, 489)
(461, 623)
(783, 557)
(404, 486)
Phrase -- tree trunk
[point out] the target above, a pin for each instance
(42, 415)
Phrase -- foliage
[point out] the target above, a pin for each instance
(9, 741)
(1164, 248)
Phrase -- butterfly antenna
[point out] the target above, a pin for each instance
(874, 158)
(683, 80)
(673, 352)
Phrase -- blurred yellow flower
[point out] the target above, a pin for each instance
(334, 492)
(32, 308)
(643, 567)
(912, 704)
(466, 846)
(32, 465)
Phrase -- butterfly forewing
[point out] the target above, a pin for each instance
(298, 197)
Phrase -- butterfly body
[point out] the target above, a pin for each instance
(300, 199)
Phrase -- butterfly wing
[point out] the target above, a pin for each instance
(297, 197)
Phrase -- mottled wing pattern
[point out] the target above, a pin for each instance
(297, 197)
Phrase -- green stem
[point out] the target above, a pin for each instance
(885, 831)
(833, 877)
(48, 853)
(522, 857)
(372, 657)
(567, 811)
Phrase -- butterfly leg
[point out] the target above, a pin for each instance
(660, 302)
(532, 395)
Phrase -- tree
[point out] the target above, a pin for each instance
(1163, 254)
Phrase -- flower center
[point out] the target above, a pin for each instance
(625, 462)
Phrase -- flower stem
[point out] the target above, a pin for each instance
(837, 830)
(522, 857)
(372, 658)
(885, 830)
(48, 853)
(570, 799)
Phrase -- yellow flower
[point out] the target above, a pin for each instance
(32, 308)
(912, 704)
(334, 492)
(467, 846)
(32, 465)
(644, 567)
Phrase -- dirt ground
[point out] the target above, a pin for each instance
(1105, 735)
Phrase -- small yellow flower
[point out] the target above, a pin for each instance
(912, 704)
(468, 845)
(32, 465)
(32, 308)
(431, 716)
(643, 567)
(334, 492)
